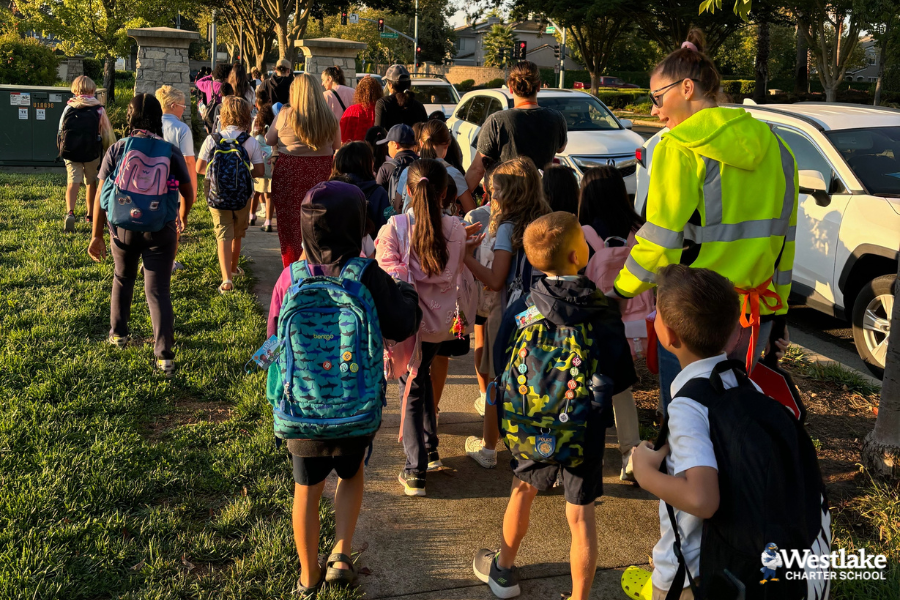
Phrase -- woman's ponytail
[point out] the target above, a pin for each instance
(427, 180)
(691, 62)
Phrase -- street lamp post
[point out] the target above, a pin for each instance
(213, 42)
(416, 36)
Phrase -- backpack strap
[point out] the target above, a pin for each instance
(338, 96)
(242, 137)
(217, 138)
(593, 240)
(299, 272)
(355, 268)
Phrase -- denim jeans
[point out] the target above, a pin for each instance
(669, 368)
(420, 421)
(157, 249)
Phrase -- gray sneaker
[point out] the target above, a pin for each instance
(167, 367)
(70, 222)
(504, 583)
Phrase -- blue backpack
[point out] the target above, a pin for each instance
(139, 194)
(229, 182)
(328, 381)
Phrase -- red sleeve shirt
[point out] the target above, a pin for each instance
(356, 121)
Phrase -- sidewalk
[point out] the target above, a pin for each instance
(422, 548)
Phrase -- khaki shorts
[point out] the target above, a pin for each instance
(659, 594)
(262, 185)
(82, 172)
(230, 224)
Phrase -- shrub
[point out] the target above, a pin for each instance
(26, 61)
(621, 98)
(465, 85)
(735, 87)
(93, 68)
(495, 83)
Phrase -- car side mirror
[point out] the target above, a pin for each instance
(813, 183)
(626, 123)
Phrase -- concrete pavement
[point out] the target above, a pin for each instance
(422, 548)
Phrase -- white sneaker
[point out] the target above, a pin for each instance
(479, 405)
(477, 452)
(166, 366)
(627, 473)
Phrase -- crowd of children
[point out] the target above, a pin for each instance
(398, 265)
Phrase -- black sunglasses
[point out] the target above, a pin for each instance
(656, 96)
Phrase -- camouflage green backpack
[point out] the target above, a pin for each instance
(550, 389)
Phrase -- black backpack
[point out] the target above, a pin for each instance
(770, 492)
(79, 138)
(400, 164)
(212, 114)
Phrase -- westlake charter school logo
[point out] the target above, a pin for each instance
(839, 564)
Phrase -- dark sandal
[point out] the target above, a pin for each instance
(340, 576)
(308, 593)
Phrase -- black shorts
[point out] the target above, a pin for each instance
(309, 471)
(454, 347)
(581, 485)
(479, 320)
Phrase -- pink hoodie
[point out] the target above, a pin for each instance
(437, 293)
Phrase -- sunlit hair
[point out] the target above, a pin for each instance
(516, 196)
(427, 183)
(239, 81)
(169, 96)
(688, 63)
(235, 111)
(368, 91)
(84, 86)
(310, 118)
(546, 240)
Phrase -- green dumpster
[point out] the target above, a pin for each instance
(29, 120)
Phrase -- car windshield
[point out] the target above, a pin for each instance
(434, 93)
(582, 113)
(874, 155)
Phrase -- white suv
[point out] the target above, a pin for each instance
(596, 136)
(848, 217)
(436, 93)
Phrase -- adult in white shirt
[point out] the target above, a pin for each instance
(337, 94)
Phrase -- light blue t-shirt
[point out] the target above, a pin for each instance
(452, 171)
(176, 132)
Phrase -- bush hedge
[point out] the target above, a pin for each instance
(93, 68)
(734, 87)
(499, 82)
(26, 61)
(620, 98)
(465, 85)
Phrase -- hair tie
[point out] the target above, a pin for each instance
(689, 45)
(421, 179)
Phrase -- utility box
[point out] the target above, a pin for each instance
(29, 121)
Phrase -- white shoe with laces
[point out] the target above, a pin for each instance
(477, 452)
(479, 404)
(627, 473)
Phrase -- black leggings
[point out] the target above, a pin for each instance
(420, 422)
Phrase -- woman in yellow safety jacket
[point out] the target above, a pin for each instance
(722, 196)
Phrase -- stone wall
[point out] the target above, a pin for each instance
(457, 74)
(75, 68)
(317, 64)
(321, 53)
(162, 59)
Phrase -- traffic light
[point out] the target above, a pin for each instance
(418, 52)
(556, 52)
(523, 47)
(380, 25)
(343, 17)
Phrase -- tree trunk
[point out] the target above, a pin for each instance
(881, 448)
(109, 79)
(831, 92)
(801, 68)
(595, 82)
(285, 44)
(882, 55)
(762, 63)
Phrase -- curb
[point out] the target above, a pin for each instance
(825, 361)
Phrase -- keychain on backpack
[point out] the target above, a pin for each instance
(459, 324)
(544, 445)
(267, 353)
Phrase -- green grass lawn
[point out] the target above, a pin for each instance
(115, 482)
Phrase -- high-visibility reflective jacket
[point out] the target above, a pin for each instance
(723, 180)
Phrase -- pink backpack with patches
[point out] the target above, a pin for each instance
(603, 268)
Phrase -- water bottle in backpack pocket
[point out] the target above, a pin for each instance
(328, 382)
(139, 194)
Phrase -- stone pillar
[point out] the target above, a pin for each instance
(75, 67)
(322, 53)
(162, 59)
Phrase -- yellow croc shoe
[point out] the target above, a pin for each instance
(636, 583)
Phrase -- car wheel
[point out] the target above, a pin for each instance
(872, 322)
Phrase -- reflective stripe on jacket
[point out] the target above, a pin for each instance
(723, 180)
